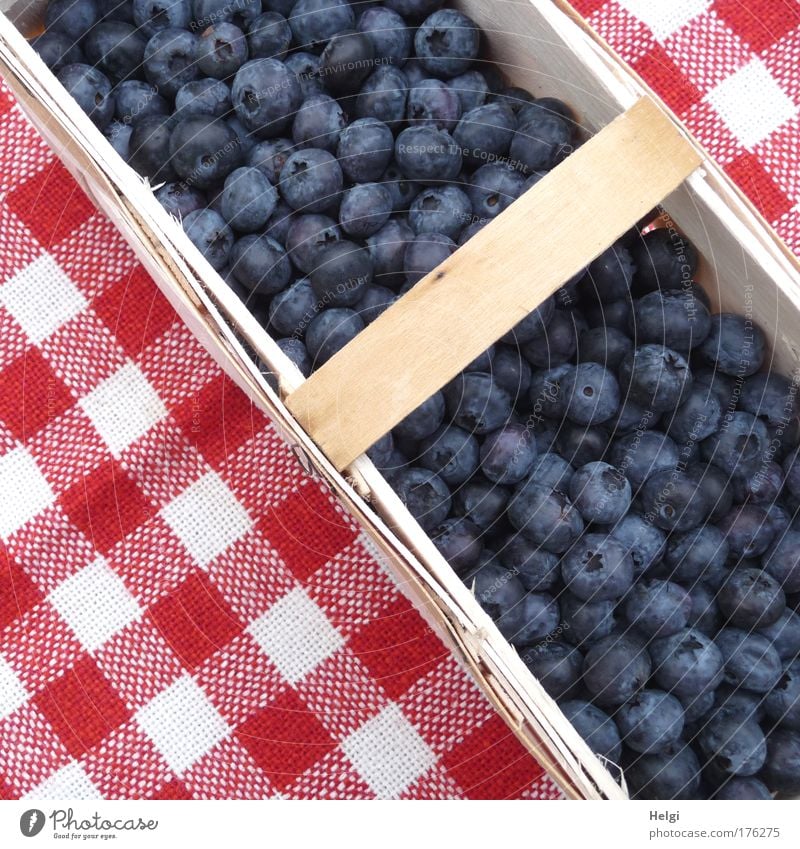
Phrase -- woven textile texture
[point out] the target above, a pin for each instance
(730, 70)
(184, 613)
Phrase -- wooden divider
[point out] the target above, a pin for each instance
(487, 286)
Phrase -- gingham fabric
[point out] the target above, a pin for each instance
(730, 69)
(183, 612)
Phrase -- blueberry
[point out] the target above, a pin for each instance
(424, 420)
(536, 568)
(149, 141)
(671, 775)
(424, 253)
(561, 342)
(690, 554)
(732, 746)
(586, 622)
(541, 143)
(782, 704)
(318, 123)
(374, 302)
(292, 310)
(346, 61)
(206, 12)
(261, 264)
(115, 48)
(750, 660)
(763, 487)
(57, 49)
(769, 396)
(612, 314)
(608, 277)
(484, 134)
(169, 60)
(134, 101)
(672, 501)
(307, 236)
(604, 345)
(686, 663)
(641, 454)
(427, 155)
(501, 595)
(548, 391)
(705, 613)
(202, 98)
(596, 727)
(699, 416)
(383, 96)
(74, 18)
(601, 492)
(784, 633)
(364, 210)
(747, 530)
(476, 403)
(550, 106)
(512, 373)
(615, 669)
(782, 561)
(597, 568)
(556, 666)
(92, 91)
(713, 483)
(492, 188)
(432, 103)
(115, 10)
(743, 789)
(447, 43)
(642, 541)
(265, 95)
(387, 249)
(364, 149)
(483, 503)
(656, 377)
(650, 721)
(507, 454)
(452, 453)
(734, 345)
(591, 394)
(296, 351)
(203, 151)
(305, 68)
(580, 444)
(675, 318)
(390, 35)
(248, 199)
(459, 542)
(657, 608)
(403, 191)
(751, 598)
(782, 768)
(440, 209)
(739, 445)
(553, 471)
(270, 156)
(311, 180)
(471, 88)
(533, 326)
(546, 517)
(329, 332)
(632, 416)
(210, 234)
(119, 135)
(152, 16)
(221, 50)
(341, 274)
(664, 260)
(269, 36)
(314, 22)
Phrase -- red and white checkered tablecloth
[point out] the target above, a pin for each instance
(183, 613)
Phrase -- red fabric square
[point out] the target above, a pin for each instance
(106, 505)
(31, 395)
(491, 763)
(307, 530)
(398, 648)
(285, 739)
(135, 311)
(82, 707)
(18, 593)
(195, 620)
(759, 24)
(751, 177)
(171, 790)
(218, 419)
(51, 204)
(659, 70)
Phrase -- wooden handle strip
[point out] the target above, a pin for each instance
(487, 286)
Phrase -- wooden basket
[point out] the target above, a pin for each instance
(639, 156)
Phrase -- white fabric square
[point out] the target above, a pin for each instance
(24, 491)
(41, 298)
(388, 753)
(752, 103)
(207, 518)
(12, 693)
(95, 603)
(296, 635)
(182, 723)
(123, 407)
(665, 17)
(70, 782)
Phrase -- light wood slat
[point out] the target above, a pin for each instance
(487, 286)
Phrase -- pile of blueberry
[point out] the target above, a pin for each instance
(616, 479)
